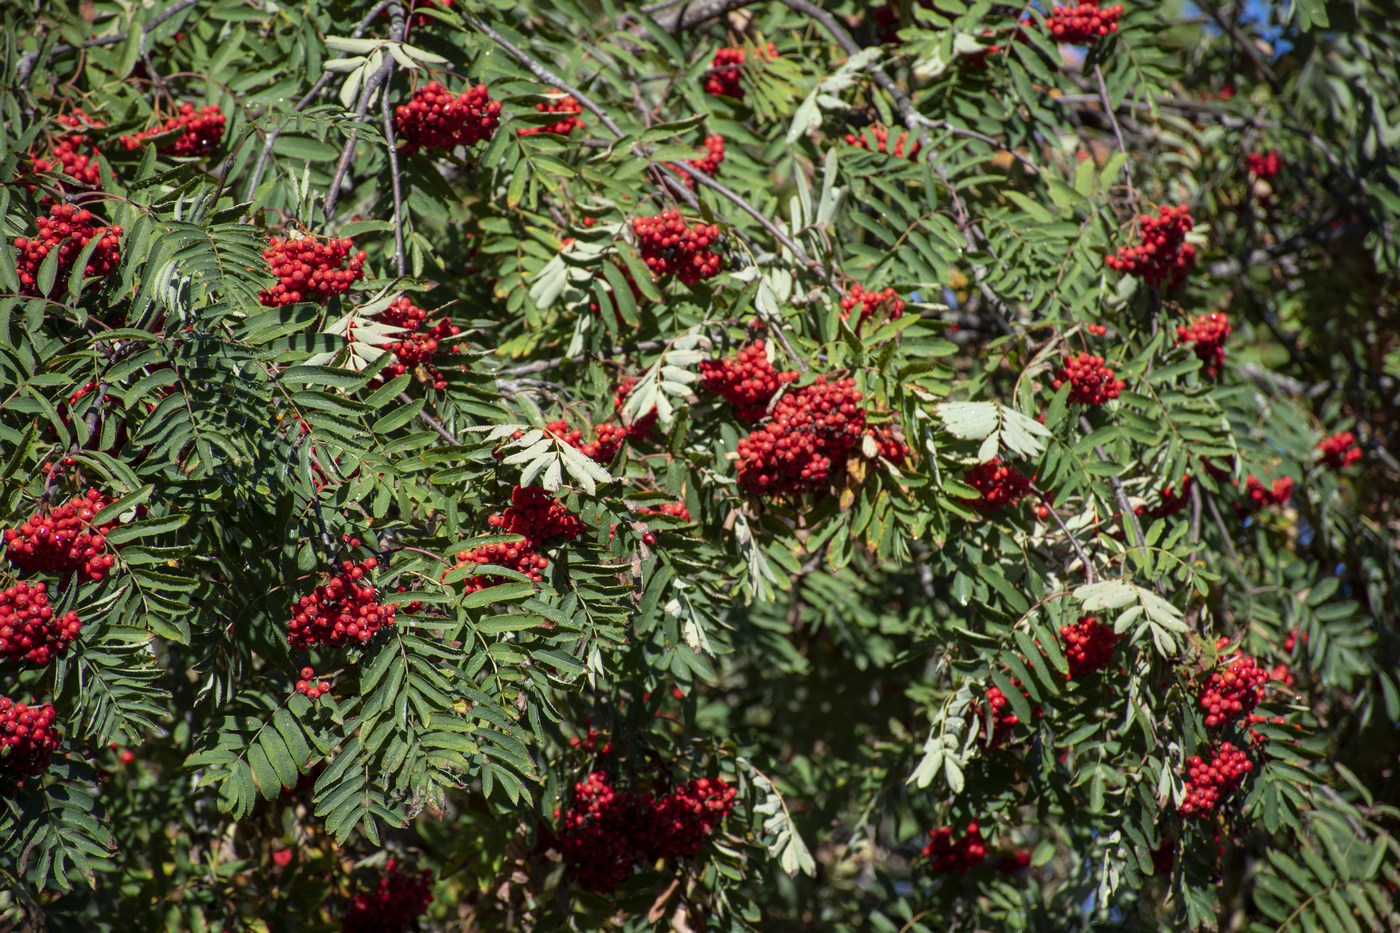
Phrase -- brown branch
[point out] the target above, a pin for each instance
(30, 59)
(1090, 575)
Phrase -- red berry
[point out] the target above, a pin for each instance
(30, 631)
(1000, 484)
(309, 269)
(1208, 332)
(885, 303)
(1084, 23)
(200, 131)
(876, 138)
(723, 78)
(810, 434)
(1091, 383)
(68, 230)
(671, 247)
(948, 856)
(435, 119)
(1339, 451)
(343, 610)
(563, 104)
(1088, 646)
(1208, 783)
(393, 906)
(1163, 257)
(28, 738)
(63, 541)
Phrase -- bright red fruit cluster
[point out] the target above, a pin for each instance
(722, 80)
(201, 129)
(63, 541)
(812, 430)
(28, 738)
(434, 118)
(1088, 646)
(746, 380)
(536, 516)
(607, 833)
(307, 688)
(675, 510)
(1208, 332)
(1257, 497)
(1234, 692)
(73, 153)
(1091, 382)
(29, 630)
(392, 907)
(309, 269)
(421, 342)
(1084, 23)
(670, 246)
(870, 303)
(1004, 719)
(68, 230)
(877, 138)
(948, 856)
(1208, 783)
(345, 610)
(1163, 256)
(1264, 164)
(563, 104)
(1339, 451)
(889, 446)
(1000, 484)
(607, 439)
(708, 165)
(1173, 500)
(644, 426)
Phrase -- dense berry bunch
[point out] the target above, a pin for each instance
(64, 541)
(877, 138)
(722, 80)
(308, 688)
(1084, 23)
(644, 426)
(1257, 497)
(606, 833)
(536, 516)
(670, 246)
(560, 103)
(1088, 646)
(1339, 451)
(607, 439)
(746, 380)
(28, 738)
(1091, 382)
(870, 303)
(710, 164)
(1264, 164)
(1207, 783)
(673, 509)
(73, 153)
(1000, 484)
(392, 907)
(1208, 332)
(948, 856)
(200, 130)
(1173, 500)
(309, 269)
(1233, 692)
(1004, 718)
(67, 230)
(420, 343)
(889, 446)
(811, 432)
(518, 556)
(1163, 257)
(345, 610)
(29, 629)
(434, 118)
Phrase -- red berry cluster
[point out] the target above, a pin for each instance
(392, 907)
(607, 833)
(675, 510)
(710, 164)
(309, 269)
(1208, 783)
(1234, 692)
(434, 118)
(670, 246)
(1208, 332)
(870, 303)
(1004, 719)
(1098, 330)
(1084, 23)
(64, 541)
(607, 439)
(722, 80)
(644, 426)
(28, 738)
(1264, 164)
(562, 104)
(536, 516)
(746, 380)
(29, 630)
(889, 446)
(1000, 484)
(1091, 382)
(312, 691)
(200, 131)
(812, 430)
(1339, 451)
(877, 138)
(1088, 646)
(72, 153)
(344, 610)
(1257, 497)
(1163, 256)
(1173, 500)
(948, 856)
(68, 230)
(420, 344)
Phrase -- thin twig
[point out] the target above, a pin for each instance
(430, 421)
(27, 61)
(399, 263)
(1090, 575)
(1118, 135)
(400, 27)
